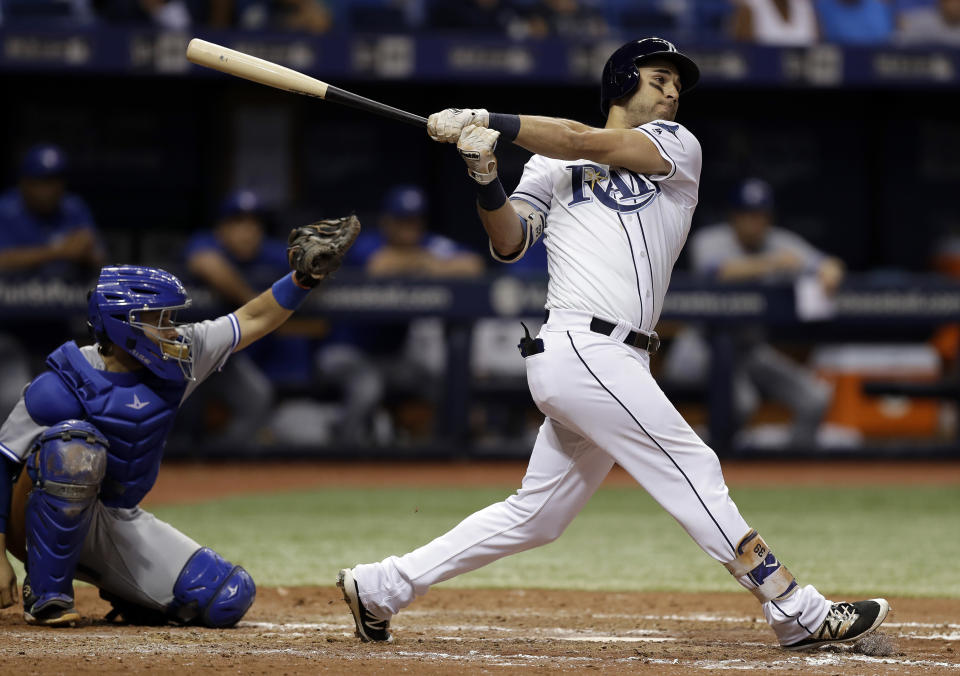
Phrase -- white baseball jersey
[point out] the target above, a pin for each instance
(612, 238)
(613, 235)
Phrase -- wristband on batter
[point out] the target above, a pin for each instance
(491, 196)
(507, 125)
(288, 293)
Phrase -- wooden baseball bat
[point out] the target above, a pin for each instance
(232, 62)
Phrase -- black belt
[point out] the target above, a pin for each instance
(650, 343)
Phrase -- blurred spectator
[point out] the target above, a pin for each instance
(855, 21)
(482, 16)
(382, 15)
(169, 14)
(675, 17)
(236, 256)
(403, 362)
(565, 18)
(404, 248)
(45, 232)
(778, 23)
(49, 12)
(935, 25)
(234, 259)
(748, 248)
(309, 16)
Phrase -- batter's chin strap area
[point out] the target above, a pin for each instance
(757, 563)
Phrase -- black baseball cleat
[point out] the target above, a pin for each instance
(846, 622)
(57, 611)
(369, 628)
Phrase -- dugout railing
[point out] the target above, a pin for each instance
(866, 308)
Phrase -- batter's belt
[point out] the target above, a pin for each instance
(645, 341)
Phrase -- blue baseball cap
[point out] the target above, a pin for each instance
(240, 202)
(43, 161)
(752, 194)
(404, 201)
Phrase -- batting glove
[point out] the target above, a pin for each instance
(476, 146)
(447, 125)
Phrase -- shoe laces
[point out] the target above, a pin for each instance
(842, 612)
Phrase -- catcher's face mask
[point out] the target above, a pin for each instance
(160, 328)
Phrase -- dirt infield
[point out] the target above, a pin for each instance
(308, 630)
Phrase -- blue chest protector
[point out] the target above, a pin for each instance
(134, 413)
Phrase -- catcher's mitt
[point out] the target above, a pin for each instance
(316, 250)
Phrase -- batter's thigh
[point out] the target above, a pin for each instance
(603, 390)
(134, 555)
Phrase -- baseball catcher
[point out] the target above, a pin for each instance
(84, 443)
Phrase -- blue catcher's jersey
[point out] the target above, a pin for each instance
(134, 413)
(134, 410)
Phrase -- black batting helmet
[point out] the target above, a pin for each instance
(620, 74)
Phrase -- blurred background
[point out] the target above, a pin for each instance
(814, 311)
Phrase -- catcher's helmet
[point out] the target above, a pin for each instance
(620, 74)
(115, 310)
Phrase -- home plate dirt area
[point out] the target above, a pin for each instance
(309, 630)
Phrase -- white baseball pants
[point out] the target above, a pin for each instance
(602, 406)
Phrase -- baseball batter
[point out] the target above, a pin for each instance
(90, 432)
(614, 206)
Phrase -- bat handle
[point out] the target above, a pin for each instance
(337, 95)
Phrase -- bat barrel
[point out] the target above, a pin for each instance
(249, 67)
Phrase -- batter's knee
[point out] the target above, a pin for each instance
(212, 591)
(69, 461)
(539, 523)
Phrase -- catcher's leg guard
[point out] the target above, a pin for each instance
(758, 569)
(211, 591)
(67, 464)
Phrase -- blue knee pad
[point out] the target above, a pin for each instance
(211, 591)
(67, 464)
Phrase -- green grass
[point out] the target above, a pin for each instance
(889, 540)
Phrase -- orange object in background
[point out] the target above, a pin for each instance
(848, 367)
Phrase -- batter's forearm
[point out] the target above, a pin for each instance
(504, 227)
(553, 137)
(569, 140)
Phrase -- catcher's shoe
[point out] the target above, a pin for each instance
(846, 622)
(369, 628)
(56, 610)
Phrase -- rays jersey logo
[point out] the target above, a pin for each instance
(619, 190)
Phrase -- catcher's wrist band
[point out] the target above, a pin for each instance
(288, 293)
(507, 125)
(491, 196)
